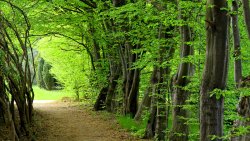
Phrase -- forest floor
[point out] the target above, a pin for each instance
(64, 121)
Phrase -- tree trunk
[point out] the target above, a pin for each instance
(6, 110)
(246, 9)
(243, 111)
(131, 79)
(131, 92)
(100, 102)
(144, 104)
(160, 83)
(243, 106)
(180, 128)
(111, 89)
(215, 71)
(106, 94)
(151, 125)
(237, 50)
(161, 104)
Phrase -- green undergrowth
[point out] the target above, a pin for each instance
(42, 94)
(136, 127)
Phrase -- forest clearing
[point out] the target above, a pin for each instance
(164, 70)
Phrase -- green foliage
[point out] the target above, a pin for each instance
(42, 94)
(48, 79)
(69, 67)
(39, 74)
(44, 78)
(81, 28)
(136, 127)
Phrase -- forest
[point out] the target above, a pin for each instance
(177, 68)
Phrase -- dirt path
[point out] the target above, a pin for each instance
(59, 121)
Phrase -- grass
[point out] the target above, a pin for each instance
(137, 128)
(42, 94)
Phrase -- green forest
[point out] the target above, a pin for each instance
(167, 70)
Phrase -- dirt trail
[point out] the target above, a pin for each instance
(60, 121)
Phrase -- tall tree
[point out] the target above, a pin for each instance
(246, 9)
(215, 71)
(240, 81)
(180, 95)
(236, 41)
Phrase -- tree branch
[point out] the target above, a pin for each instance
(89, 3)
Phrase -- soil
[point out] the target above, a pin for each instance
(64, 121)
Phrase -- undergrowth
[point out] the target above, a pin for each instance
(136, 127)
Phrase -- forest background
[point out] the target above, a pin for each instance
(179, 67)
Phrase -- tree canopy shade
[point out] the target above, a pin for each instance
(164, 64)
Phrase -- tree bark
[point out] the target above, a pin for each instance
(115, 74)
(151, 125)
(237, 57)
(215, 71)
(243, 106)
(144, 104)
(180, 128)
(243, 111)
(104, 99)
(5, 108)
(160, 84)
(236, 41)
(100, 101)
(246, 9)
(131, 79)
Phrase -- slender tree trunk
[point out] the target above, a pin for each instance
(240, 82)
(131, 79)
(243, 111)
(6, 110)
(246, 9)
(107, 93)
(237, 50)
(115, 74)
(131, 93)
(215, 71)
(144, 104)
(161, 105)
(160, 83)
(151, 125)
(161, 89)
(180, 128)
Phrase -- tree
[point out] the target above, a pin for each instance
(160, 78)
(15, 72)
(180, 95)
(246, 9)
(215, 71)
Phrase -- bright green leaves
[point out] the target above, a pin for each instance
(69, 64)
